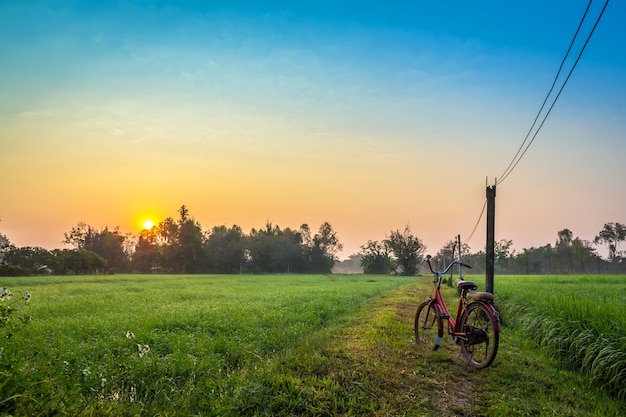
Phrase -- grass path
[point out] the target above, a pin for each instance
(373, 367)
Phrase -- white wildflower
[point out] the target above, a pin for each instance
(143, 349)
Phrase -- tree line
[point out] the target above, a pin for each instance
(182, 246)
(402, 252)
(179, 246)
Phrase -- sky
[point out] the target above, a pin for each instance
(368, 115)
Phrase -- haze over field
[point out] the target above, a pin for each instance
(370, 117)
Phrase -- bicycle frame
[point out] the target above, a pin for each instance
(439, 306)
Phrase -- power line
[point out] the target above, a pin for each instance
(518, 157)
(477, 222)
(522, 150)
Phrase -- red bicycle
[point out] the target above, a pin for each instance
(476, 327)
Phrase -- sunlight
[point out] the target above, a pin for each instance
(148, 224)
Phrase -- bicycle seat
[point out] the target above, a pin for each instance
(486, 296)
(466, 285)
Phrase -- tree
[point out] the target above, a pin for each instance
(449, 252)
(502, 253)
(30, 260)
(4, 245)
(323, 253)
(612, 234)
(407, 249)
(147, 254)
(375, 258)
(78, 262)
(191, 247)
(107, 243)
(225, 248)
(584, 256)
(264, 249)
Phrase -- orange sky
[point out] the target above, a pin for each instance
(368, 121)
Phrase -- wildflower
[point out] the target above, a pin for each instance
(5, 294)
(103, 382)
(86, 372)
(130, 335)
(27, 296)
(143, 349)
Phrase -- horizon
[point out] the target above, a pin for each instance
(368, 118)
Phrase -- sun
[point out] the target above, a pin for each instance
(148, 224)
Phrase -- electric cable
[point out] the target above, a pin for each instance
(549, 92)
(477, 222)
(517, 159)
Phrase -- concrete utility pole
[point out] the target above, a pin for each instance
(490, 249)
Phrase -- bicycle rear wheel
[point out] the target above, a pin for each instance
(480, 344)
(426, 326)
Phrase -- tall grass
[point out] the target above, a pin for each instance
(137, 344)
(580, 319)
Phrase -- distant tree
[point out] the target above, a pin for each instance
(109, 244)
(31, 260)
(147, 254)
(478, 261)
(191, 247)
(264, 250)
(449, 252)
(407, 249)
(325, 249)
(78, 235)
(292, 251)
(4, 245)
(167, 232)
(375, 258)
(533, 260)
(563, 251)
(78, 262)
(226, 248)
(503, 252)
(612, 234)
(584, 256)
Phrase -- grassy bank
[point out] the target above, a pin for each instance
(581, 320)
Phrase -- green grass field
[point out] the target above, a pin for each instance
(291, 345)
(579, 319)
(206, 335)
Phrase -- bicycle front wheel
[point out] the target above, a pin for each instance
(480, 344)
(426, 326)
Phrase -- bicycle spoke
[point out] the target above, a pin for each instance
(425, 326)
(480, 344)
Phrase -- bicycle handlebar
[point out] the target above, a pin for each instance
(427, 260)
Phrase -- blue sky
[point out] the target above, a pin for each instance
(370, 116)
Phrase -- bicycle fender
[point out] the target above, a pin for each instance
(495, 322)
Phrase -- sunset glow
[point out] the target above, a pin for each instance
(370, 116)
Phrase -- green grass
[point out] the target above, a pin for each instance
(580, 320)
(206, 335)
(281, 345)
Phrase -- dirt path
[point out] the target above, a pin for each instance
(399, 377)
